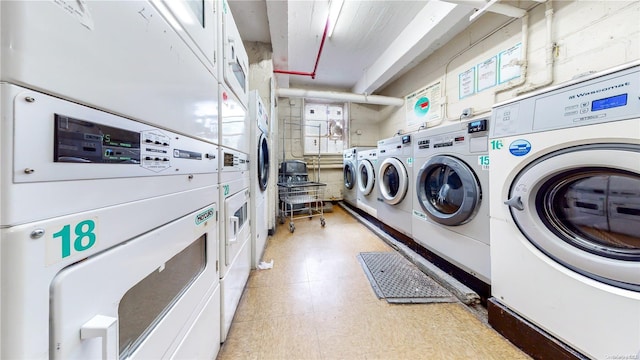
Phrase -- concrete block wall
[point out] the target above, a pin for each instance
(589, 36)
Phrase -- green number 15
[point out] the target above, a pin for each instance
(85, 237)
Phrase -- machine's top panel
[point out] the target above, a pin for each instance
(608, 97)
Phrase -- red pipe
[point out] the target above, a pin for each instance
(312, 74)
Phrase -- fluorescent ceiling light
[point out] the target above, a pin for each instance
(335, 6)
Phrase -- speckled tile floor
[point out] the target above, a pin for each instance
(316, 303)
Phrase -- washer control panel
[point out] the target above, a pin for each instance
(605, 97)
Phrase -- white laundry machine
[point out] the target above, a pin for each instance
(367, 189)
(565, 211)
(349, 175)
(394, 172)
(451, 206)
(234, 69)
(260, 171)
(97, 214)
(235, 232)
(234, 122)
(124, 57)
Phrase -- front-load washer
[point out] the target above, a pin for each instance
(367, 187)
(451, 206)
(235, 232)
(71, 176)
(349, 175)
(394, 172)
(260, 171)
(565, 214)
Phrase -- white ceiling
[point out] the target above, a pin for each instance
(374, 42)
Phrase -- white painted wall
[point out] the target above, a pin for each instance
(590, 36)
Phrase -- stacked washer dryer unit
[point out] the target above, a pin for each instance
(349, 175)
(108, 222)
(395, 159)
(260, 169)
(235, 183)
(367, 189)
(565, 211)
(451, 206)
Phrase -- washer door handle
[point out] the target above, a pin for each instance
(515, 203)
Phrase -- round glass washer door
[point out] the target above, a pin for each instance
(263, 162)
(393, 181)
(581, 207)
(349, 175)
(448, 190)
(366, 177)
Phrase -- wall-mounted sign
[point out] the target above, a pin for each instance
(424, 105)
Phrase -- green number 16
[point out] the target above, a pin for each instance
(85, 237)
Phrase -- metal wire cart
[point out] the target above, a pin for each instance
(302, 198)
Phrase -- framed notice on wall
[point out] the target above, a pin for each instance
(509, 63)
(487, 74)
(424, 105)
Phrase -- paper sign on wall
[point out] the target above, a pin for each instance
(467, 83)
(487, 74)
(424, 105)
(509, 63)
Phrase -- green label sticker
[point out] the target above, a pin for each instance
(205, 215)
(496, 144)
(72, 239)
(420, 215)
(226, 189)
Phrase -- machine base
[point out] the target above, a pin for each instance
(534, 341)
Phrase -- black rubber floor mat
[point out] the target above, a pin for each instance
(397, 280)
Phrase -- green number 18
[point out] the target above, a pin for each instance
(85, 237)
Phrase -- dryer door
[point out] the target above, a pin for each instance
(263, 162)
(448, 190)
(366, 177)
(581, 207)
(393, 181)
(136, 299)
(349, 173)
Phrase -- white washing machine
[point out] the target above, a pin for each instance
(394, 173)
(367, 189)
(97, 213)
(349, 175)
(565, 211)
(451, 206)
(235, 232)
(124, 57)
(260, 172)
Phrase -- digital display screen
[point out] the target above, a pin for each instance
(610, 102)
(406, 139)
(477, 126)
(84, 141)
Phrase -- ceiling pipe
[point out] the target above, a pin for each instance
(340, 96)
(312, 74)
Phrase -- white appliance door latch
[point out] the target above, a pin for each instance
(104, 327)
(234, 221)
(515, 203)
